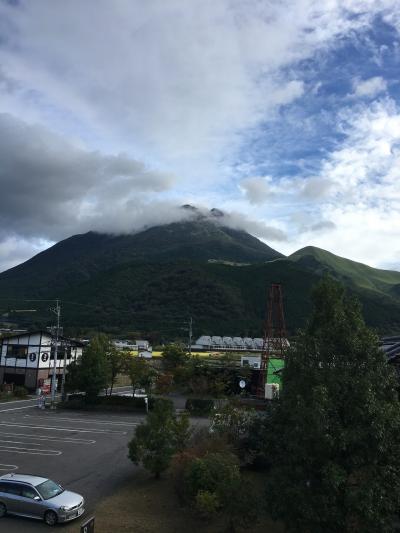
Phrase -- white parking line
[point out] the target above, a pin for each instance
(19, 401)
(21, 442)
(30, 451)
(17, 408)
(83, 420)
(67, 440)
(8, 467)
(72, 430)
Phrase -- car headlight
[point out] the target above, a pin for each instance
(63, 508)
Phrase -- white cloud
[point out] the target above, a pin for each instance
(370, 87)
(179, 86)
(170, 81)
(363, 198)
(257, 189)
(52, 188)
(14, 250)
(260, 229)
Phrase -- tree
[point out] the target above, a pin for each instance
(141, 373)
(157, 439)
(91, 373)
(174, 355)
(118, 362)
(334, 435)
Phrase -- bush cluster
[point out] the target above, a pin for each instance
(20, 392)
(115, 403)
(199, 406)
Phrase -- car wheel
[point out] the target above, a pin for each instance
(50, 518)
(3, 510)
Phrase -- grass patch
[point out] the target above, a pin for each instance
(146, 505)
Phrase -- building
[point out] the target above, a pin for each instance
(236, 344)
(253, 361)
(28, 358)
(137, 346)
(391, 348)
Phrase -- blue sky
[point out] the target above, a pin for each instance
(285, 114)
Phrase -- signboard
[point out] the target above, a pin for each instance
(88, 526)
(242, 383)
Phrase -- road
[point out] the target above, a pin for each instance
(85, 452)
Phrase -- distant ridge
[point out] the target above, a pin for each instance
(351, 273)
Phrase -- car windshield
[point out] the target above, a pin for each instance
(48, 489)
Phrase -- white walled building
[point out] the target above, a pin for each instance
(246, 344)
(28, 358)
(136, 346)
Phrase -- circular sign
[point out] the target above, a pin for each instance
(45, 357)
(32, 357)
(242, 383)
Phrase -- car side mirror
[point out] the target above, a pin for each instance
(37, 498)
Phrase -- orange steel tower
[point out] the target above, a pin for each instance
(275, 340)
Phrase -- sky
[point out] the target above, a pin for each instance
(283, 114)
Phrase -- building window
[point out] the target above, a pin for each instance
(17, 350)
(60, 353)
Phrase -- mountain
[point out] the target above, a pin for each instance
(355, 275)
(81, 257)
(149, 283)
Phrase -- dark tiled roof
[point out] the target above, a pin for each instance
(37, 332)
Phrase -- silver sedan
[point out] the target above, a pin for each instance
(38, 497)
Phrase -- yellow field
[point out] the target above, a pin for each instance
(194, 354)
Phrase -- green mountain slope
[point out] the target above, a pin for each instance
(82, 257)
(151, 282)
(351, 273)
(222, 299)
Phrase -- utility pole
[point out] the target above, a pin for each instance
(57, 311)
(190, 335)
(66, 347)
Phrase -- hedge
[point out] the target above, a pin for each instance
(115, 403)
(199, 406)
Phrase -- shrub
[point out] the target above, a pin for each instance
(207, 503)
(199, 406)
(112, 403)
(20, 392)
(214, 473)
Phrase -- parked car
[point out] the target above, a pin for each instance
(38, 497)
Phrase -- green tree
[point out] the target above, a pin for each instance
(118, 362)
(174, 355)
(157, 439)
(91, 373)
(334, 435)
(141, 373)
(182, 432)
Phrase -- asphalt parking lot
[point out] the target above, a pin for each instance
(85, 452)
